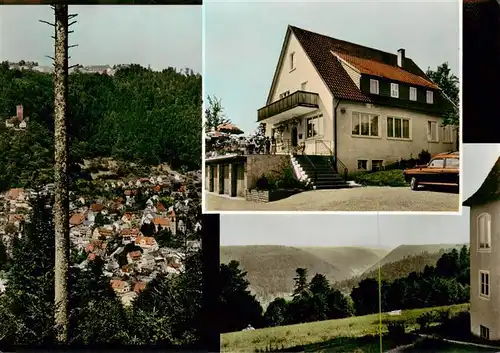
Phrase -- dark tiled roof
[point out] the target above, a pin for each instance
(489, 190)
(481, 55)
(395, 73)
(319, 47)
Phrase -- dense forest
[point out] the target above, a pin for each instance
(393, 270)
(446, 283)
(138, 115)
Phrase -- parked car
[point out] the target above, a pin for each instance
(442, 170)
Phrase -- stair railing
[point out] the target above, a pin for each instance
(335, 163)
(315, 171)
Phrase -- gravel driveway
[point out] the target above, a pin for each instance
(356, 199)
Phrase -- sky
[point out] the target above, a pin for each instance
(160, 36)
(243, 41)
(368, 229)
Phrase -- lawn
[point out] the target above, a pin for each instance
(359, 334)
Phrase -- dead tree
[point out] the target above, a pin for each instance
(61, 179)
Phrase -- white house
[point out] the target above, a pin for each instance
(485, 257)
(366, 107)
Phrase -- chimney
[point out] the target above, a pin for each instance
(19, 111)
(401, 57)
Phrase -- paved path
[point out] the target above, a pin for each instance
(357, 199)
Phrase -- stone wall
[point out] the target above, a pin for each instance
(269, 195)
(260, 164)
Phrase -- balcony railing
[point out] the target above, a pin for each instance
(296, 99)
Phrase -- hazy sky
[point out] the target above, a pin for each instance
(362, 229)
(160, 36)
(244, 39)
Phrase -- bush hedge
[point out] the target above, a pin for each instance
(381, 178)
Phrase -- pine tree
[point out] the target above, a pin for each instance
(300, 282)
(27, 313)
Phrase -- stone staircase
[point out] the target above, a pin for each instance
(318, 170)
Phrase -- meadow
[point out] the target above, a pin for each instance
(360, 334)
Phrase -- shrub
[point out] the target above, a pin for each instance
(424, 157)
(428, 318)
(381, 178)
(263, 183)
(456, 326)
(397, 330)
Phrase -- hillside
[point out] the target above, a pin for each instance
(353, 334)
(351, 261)
(138, 115)
(271, 269)
(391, 271)
(403, 251)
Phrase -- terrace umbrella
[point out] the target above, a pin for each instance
(230, 129)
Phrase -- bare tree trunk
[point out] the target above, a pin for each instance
(61, 205)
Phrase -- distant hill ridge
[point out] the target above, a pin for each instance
(271, 268)
(402, 251)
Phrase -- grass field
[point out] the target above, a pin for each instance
(355, 334)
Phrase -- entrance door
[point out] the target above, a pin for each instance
(294, 136)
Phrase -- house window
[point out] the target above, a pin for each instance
(430, 97)
(373, 86)
(484, 332)
(437, 163)
(413, 94)
(398, 128)
(362, 164)
(432, 131)
(484, 284)
(364, 124)
(303, 86)
(394, 90)
(284, 94)
(447, 133)
(377, 164)
(292, 61)
(314, 126)
(484, 231)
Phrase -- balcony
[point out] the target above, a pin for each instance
(295, 104)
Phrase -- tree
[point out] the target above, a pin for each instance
(214, 114)
(301, 284)
(449, 85)
(26, 313)
(61, 204)
(276, 312)
(99, 220)
(366, 297)
(169, 310)
(319, 285)
(237, 306)
(4, 257)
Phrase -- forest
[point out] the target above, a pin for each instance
(137, 115)
(446, 283)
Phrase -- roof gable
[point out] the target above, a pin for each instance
(490, 189)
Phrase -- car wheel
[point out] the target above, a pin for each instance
(413, 183)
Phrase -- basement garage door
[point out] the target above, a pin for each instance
(240, 180)
(227, 182)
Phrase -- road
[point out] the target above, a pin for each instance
(356, 199)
